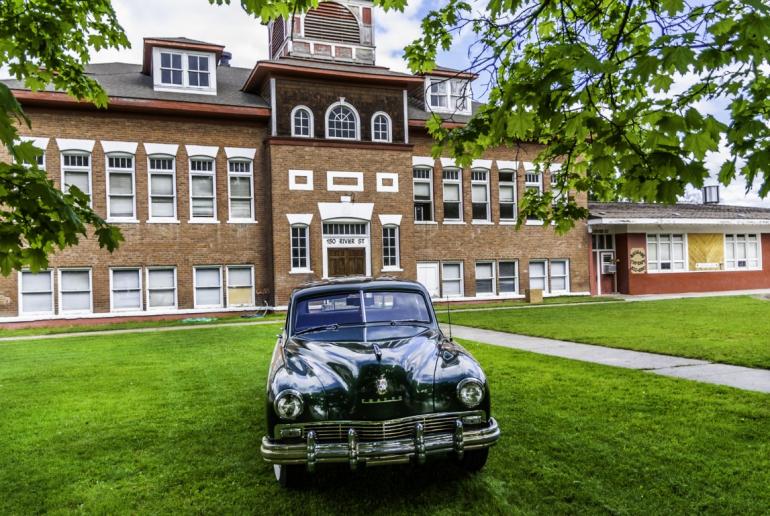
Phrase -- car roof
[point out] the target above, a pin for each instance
(357, 283)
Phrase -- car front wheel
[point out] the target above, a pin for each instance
(474, 460)
(290, 476)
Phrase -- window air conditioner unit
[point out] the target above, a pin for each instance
(609, 268)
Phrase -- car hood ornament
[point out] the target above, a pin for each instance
(382, 385)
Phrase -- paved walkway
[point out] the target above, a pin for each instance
(699, 370)
(138, 330)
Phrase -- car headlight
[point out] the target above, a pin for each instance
(470, 392)
(288, 404)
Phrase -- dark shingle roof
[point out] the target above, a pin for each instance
(182, 39)
(629, 210)
(121, 80)
(330, 65)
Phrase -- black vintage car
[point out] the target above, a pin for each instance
(363, 374)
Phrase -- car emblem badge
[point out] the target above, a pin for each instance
(382, 385)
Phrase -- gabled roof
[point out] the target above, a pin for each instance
(443, 71)
(646, 213)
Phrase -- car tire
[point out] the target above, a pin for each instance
(474, 460)
(290, 476)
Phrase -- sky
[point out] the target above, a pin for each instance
(246, 38)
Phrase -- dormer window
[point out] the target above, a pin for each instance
(181, 70)
(448, 95)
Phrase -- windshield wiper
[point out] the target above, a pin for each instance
(409, 322)
(326, 327)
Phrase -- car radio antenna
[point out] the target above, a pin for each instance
(448, 316)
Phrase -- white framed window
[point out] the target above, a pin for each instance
(485, 278)
(125, 289)
(121, 188)
(208, 287)
(390, 247)
(508, 277)
(162, 190)
(241, 191)
(300, 248)
(480, 194)
(161, 288)
(75, 291)
(240, 285)
(538, 275)
(36, 293)
(381, 128)
(76, 171)
(742, 252)
(453, 194)
(203, 199)
(302, 122)
(452, 279)
(343, 122)
(198, 75)
(448, 95)
(423, 194)
(176, 70)
(559, 270)
(666, 253)
(507, 189)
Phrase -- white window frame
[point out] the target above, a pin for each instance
(299, 269)
(429, 182)
(508, 184)
(459, 183)
(221, 303)
(734, 244)
(448, 82)
(461, 292)
(546, 277)
(227, 284)
(515, 277)
(21, 293)
(88, 170)
(141, 289)
(148, 288)
(389, 137)
(211, 89)
(356, 116)
(213, 174)
(493, 268)
(485, 183)
(160, 172)
(132, 171)
(311, 121)
(250, 176)
(61, 292)
(658, 244)
(566, 276)
(397, 265)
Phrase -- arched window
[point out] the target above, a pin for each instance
(302, 122)
(381, 128)
(342, 122)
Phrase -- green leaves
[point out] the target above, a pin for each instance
(615, 92)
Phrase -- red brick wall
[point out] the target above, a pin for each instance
(680, 282)
(183, 245)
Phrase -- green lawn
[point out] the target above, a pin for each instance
(441, 304)
(171, 422)
(734, 330)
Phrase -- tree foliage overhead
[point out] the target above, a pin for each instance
(614, 89)
(47, 43)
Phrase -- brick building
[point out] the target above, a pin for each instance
(233, 186)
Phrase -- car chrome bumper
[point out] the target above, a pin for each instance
(312, 452)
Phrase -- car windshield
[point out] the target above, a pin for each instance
(339, 309)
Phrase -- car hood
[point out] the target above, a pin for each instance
(384, 379)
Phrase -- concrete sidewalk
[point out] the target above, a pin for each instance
(699, 370)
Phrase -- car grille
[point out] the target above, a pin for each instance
(383, 430)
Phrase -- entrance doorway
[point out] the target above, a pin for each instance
(346, 262)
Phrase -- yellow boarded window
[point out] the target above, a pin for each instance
(240, 286)
(706, 251)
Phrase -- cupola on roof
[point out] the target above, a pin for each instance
(341, 31)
